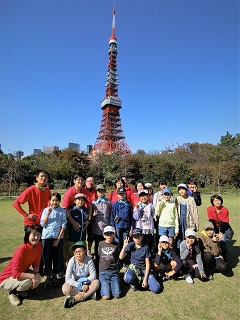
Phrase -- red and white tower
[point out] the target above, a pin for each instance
(110, 137)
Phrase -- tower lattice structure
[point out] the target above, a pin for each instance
(110, 137)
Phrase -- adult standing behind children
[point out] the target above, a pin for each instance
(37, 197)
(16, 277)
(112, 195)
(90, 186)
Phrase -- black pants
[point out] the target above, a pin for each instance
(210, 262)
(186, 268)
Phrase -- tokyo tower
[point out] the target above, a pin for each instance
(110, 137)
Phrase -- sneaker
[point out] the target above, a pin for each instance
(89, 254)
(13, 298)
(69, 302)
(94, 296)
(133, 288)
(188, 278)
(47, 283)
(210, 277)
(22, 294)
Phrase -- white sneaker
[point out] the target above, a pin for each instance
(189, 279)
(13, 298)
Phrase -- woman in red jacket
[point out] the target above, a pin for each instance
(16, 276)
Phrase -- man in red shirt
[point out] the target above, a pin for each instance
(90, 186)
(37, 197)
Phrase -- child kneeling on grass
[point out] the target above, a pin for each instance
(81, 282)
(138, 271)
(167, 263)
(190, 255)
(108, 251)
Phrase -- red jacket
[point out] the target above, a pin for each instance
(23, 258)
(68, 200)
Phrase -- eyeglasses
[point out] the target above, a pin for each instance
(79, 252)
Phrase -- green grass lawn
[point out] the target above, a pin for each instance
(217, 299)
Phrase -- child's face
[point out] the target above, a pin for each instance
(209, 232)
(144, 198)
(122, 196)
(164, 245)
(79, 253)
(108, 236)
(54, 202)
(79, 202)
(101, 193)
(190, 240)
(34, 237)
(137, 239)
(166, 196)
(182, 191)
(162, 186)
(42, 179)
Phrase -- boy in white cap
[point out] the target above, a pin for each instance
(108, 252)
(190, 255)
(166, 263)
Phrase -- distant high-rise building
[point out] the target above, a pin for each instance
(36, 151)
(89, 148)
(19, 154)
(49, 149)
(74, 146)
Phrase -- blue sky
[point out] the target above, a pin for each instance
(178, 65)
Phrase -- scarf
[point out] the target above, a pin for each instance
(40, 187)
(103, 199)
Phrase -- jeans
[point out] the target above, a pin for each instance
(122, 233)
(130, 277)
(167, 231)
(109, 283)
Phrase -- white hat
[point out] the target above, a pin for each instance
(164, 239)
(189, 233)
(108, 229)
(148, 185)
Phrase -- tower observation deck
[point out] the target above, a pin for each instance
(110, 137)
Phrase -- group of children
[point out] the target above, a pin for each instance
(124, 234)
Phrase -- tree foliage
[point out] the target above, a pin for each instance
(208, 164)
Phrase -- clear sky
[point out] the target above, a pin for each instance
(178, 66)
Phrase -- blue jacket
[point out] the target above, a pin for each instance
(122, 215)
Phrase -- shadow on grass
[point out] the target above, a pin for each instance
(2, 260)
(233, 258)
(40, 293)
